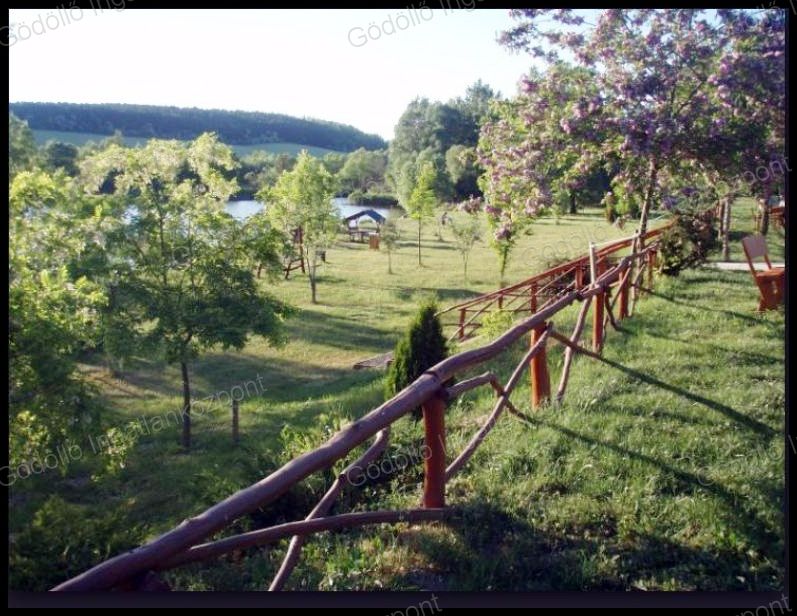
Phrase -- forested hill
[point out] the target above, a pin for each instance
(232, 127)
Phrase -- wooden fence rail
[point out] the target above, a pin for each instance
(183, 544)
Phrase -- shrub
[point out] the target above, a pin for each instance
(419, 349)
(687, 242)
(496, 323)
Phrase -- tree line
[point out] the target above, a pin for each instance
(158, 122)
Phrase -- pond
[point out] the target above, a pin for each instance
(244, 209)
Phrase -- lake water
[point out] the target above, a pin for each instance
(244, 209)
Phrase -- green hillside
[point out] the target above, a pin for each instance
(76, 138)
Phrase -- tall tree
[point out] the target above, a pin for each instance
(302, 200)
(180, 281)
(665, 80)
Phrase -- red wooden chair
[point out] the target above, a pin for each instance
(770, 281)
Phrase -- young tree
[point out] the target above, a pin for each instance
(390, 236)
(422, 201)
(467, 231)
(419, 349)
(179, 281)
(302, 199)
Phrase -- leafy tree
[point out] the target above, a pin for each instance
(22, 151)
(363, 171)
(53, 314)
(302, 199)
(59, 155)
(464, 170)
(419, 349)
(671, 87)
(422, 201)
(180, 281)
(467, 231)
(390, 236)
(333, 161)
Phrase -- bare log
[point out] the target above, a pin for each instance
(303, 528)
(347, 475)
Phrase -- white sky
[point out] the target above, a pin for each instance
(298, 62)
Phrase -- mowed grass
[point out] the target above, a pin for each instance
(663, 469)
(79, 139)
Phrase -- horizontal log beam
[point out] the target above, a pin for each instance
(303, 528)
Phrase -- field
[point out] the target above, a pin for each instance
(662, 470)
(43, 136)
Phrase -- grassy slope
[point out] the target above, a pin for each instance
(43, 136)
(661, 470)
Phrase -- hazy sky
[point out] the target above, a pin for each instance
(315, 63)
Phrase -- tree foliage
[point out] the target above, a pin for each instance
(302, 199)
(177, 266)
(671, 92)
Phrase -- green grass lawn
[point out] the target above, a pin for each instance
(663, 469)
(76, 138)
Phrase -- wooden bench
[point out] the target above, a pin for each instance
(771, 281)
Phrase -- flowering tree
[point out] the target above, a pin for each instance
(527, 154)
(671, 91)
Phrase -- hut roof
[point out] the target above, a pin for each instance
(373, 214)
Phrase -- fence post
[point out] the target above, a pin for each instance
(651, 265)
(434, 464)
(624, 295)
(533, 303)
(235, 421)
(538, 367)
(462, 323)
(579, 277)
(597, 312)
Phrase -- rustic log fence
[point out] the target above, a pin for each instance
(136, 568)
(525, 296)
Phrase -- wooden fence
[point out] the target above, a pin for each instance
(137, 569)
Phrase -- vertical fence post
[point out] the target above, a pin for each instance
(533, 302)
(579, 277)
(624, 294)
(651, 266)
(434, 465)
(501, 301)
(235, 421)
(538, 367)
(462, 312)
(597, 310)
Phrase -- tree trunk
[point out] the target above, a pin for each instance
(573, 203)
(419, 241)
(312, 284)
(186, 407)
(643, 217)
(726, 229)
(765, 218)
(259, 269)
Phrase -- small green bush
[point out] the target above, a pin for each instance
(422, 347)
(687, 242)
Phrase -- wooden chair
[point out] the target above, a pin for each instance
(770, 281)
